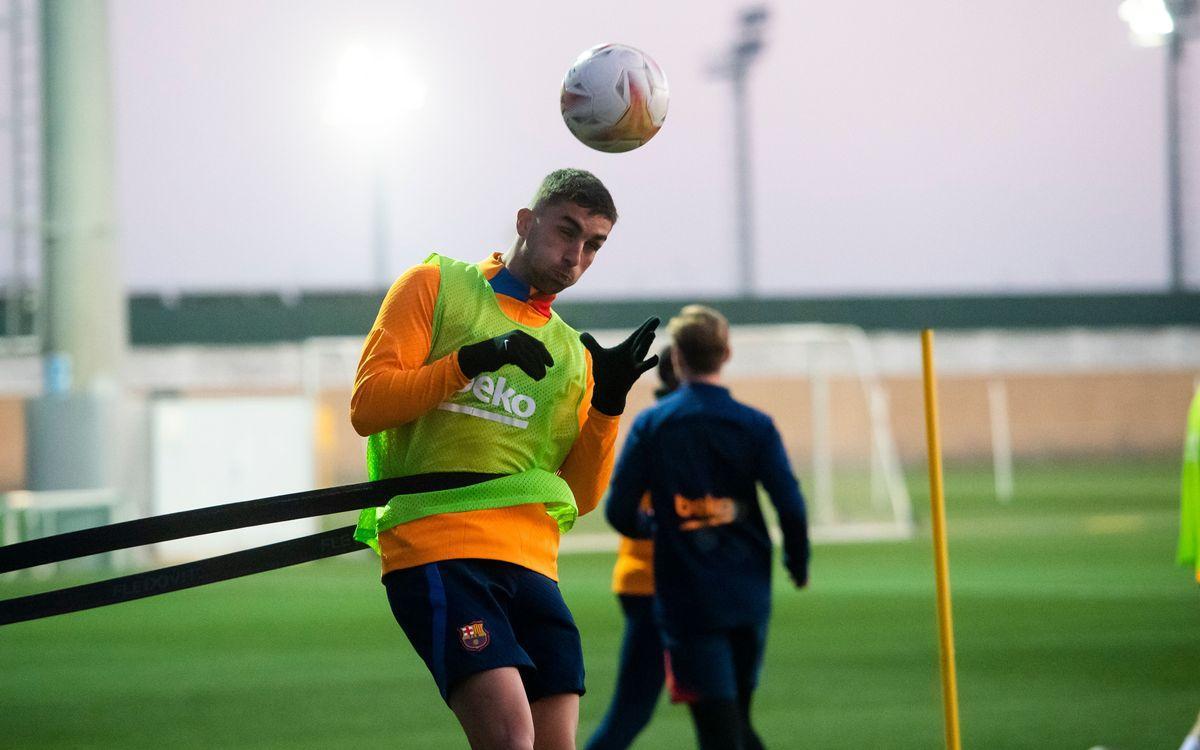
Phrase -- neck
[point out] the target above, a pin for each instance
(712, 378)
(512, 262)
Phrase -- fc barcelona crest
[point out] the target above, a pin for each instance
(474, 637)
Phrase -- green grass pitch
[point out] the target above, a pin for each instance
(1073, 629)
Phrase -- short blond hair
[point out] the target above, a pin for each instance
(701, 335)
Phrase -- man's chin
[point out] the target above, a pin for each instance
(553, 285)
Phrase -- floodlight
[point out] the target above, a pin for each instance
(1150, 21)
(372, 90)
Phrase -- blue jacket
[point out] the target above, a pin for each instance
(701, 456)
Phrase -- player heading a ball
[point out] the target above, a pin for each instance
(614, 98)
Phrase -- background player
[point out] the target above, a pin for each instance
(468, 374)
(701, 454)
(640, 668)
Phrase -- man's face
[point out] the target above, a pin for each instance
(561, 241)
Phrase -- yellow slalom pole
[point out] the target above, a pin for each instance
(941, 560)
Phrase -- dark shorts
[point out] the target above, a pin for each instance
(468, 616)
(714, 665)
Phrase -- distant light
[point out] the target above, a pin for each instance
(1149, 21)
(371, 91)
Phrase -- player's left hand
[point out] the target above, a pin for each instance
(615, 370)
(797, 568)
(800, 578)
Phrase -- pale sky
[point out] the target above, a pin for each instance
(923, 146)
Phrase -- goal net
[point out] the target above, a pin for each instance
(821, 385)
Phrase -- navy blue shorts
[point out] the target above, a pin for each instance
(468, 616)
(714, 665)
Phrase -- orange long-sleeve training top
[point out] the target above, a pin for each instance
(634, 572)
(394, 385)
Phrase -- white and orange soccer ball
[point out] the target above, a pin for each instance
(614, 98)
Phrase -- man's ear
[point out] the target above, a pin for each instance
(524, 221)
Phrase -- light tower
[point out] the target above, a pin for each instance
(735, 66)
(372, 92)
(1156, 23)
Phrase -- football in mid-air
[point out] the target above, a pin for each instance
(614, 98)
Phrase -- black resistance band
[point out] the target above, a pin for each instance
(178, 577)
(205, 521)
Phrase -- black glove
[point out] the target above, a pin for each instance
(797, 566)
(512, 348)
(615, 370)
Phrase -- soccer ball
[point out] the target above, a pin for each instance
(614, 98)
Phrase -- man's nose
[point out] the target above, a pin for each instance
(572, 254)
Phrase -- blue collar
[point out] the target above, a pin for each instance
(510, 286)
(706, 387)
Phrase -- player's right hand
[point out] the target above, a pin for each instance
(512, 348)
